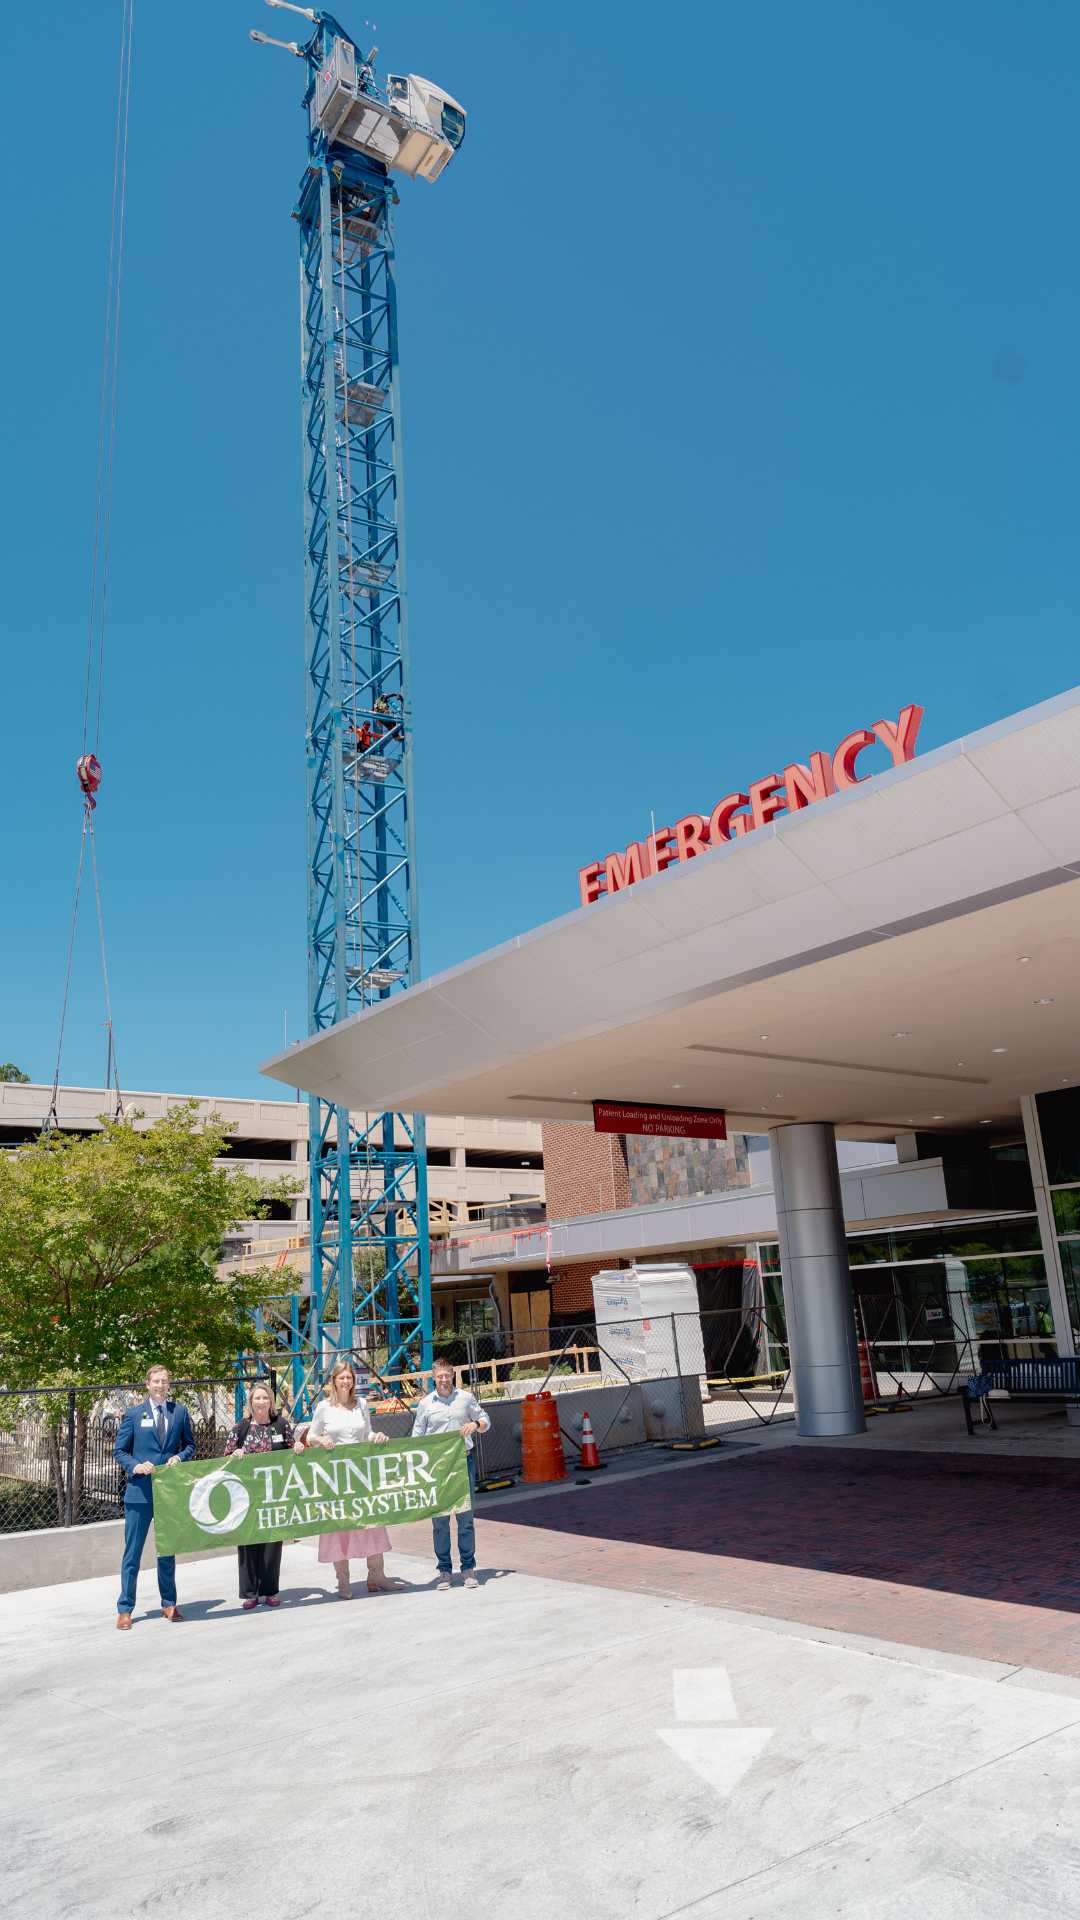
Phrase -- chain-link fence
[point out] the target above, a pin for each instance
(699, 1376)
(683, 1377)
(926, 1348)
(665, 1379)
(669, 1378)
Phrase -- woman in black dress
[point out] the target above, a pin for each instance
(262, 1430)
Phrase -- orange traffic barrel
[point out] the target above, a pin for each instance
(542, 1456)
(866, 1375)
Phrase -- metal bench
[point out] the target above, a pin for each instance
(1040, 1379)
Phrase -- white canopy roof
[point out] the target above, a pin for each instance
(903, 954)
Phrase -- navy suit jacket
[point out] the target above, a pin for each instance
(137, 1441)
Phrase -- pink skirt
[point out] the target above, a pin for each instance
(353, 1546)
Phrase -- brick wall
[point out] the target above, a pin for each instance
(571, 1287)
(587, 1172)
(584, 1172)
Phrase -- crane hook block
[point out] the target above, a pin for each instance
(88, 774)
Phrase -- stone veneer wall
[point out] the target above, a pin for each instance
(660, 1170)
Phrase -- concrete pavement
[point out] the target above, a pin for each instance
(536, 1748)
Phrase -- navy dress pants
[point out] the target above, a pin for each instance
(137, 1521)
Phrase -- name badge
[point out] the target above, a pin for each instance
(277, 1439)
(147, 1420)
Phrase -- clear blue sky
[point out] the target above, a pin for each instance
(740, 375)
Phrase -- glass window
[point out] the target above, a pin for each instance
(1067, 1209)
(929, 1316)
(453, 125)
(992, 1236)
(1070, 1262)
(878, 1309)
(474, 1316)
(983, 1277)
(1008, 1309)
(932, 1300)
(1059, 1120)
(871, 1251)
(1020, 1269)
(775, 1323)
(1024, 1270)
(916, 1246)
(969, 1240)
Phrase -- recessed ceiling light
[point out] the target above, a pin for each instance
(999, 1049)
(675, 1085)
(1044, 1000)
(573, 1090)
(985, 1123)
(937, 1116)
(901, 1034)
(1023, 959)
(778, 1096)
(961, 1063)
(763, 1036)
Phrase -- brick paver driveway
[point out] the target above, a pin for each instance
(975, 1557)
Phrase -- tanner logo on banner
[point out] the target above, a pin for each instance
(278, 1497)
(674, 1123)
(739, 813)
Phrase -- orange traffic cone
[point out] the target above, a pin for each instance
(590, 1461)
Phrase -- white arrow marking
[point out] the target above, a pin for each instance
(703, 1693)
(718, 1755)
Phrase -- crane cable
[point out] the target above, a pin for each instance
(88, 768)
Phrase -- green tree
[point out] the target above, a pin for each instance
(9, 1071)
(109, 1248)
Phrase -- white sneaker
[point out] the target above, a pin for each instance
(471, 1580)
(442, 1585)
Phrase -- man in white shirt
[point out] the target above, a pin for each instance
(451, 1409)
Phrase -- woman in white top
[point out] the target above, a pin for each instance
(341, 1420)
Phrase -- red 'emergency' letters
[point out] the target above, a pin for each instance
(738, 813)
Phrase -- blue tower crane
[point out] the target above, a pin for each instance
(370, 1277)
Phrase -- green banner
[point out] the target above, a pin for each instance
(279, 1496)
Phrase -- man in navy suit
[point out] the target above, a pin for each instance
(152, 1436)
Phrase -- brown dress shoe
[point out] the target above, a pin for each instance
(123, 1621)
(171, 1613)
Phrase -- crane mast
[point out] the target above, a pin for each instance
(370, 1278)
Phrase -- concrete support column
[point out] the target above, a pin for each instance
(817, 1284)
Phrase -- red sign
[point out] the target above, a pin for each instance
(674, 1123)
(739, 813)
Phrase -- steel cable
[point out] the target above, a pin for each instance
(97, 616)
(52, 1119)
(107, 408)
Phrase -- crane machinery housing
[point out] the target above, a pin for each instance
(370, 1286)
